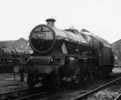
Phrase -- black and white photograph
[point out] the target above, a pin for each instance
(60, 50)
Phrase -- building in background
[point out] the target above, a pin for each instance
(16, 46)
(116, 46)
(12, 49)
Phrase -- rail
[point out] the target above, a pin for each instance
(81, 96)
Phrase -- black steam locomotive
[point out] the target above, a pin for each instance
(66, 56)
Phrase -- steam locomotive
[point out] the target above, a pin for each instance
(66, 56)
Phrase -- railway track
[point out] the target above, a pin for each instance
(83, 94)
(102, 86)
(77, 94)
(24, 94)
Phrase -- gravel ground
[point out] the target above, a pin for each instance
(103, 95)
(109, 93)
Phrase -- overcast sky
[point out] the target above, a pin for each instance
(102, 17)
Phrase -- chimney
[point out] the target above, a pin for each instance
(51, 22)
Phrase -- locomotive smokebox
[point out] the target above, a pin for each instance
(42, 37)
(50, 22)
